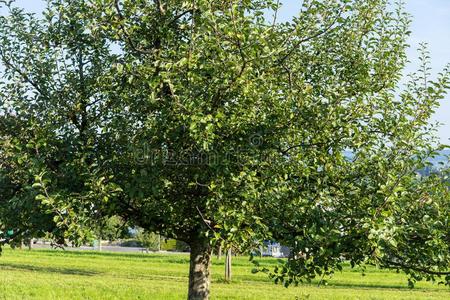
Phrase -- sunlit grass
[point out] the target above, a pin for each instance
(42, 274)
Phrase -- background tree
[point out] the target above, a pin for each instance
(149, 240)
(207, 122)
(112, 229)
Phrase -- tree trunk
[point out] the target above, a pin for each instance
(159, 242)
(219, 253)
(228, 266)
(199, 270)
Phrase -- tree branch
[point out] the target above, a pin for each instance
(418, 269)
(125, 33)
(22, 74)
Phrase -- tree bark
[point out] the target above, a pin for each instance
(228, 266)
(219, 253)
(199, 270)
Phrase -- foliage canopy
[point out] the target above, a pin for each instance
(209, 122)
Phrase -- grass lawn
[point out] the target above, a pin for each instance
(47, 274)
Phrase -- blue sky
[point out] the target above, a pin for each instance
(431, 24)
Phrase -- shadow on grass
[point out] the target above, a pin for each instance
(65, 271)
(374, 286)
(330, 284)
(91, 253)
(369, 286)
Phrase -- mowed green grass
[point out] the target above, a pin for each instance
(48, 274)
